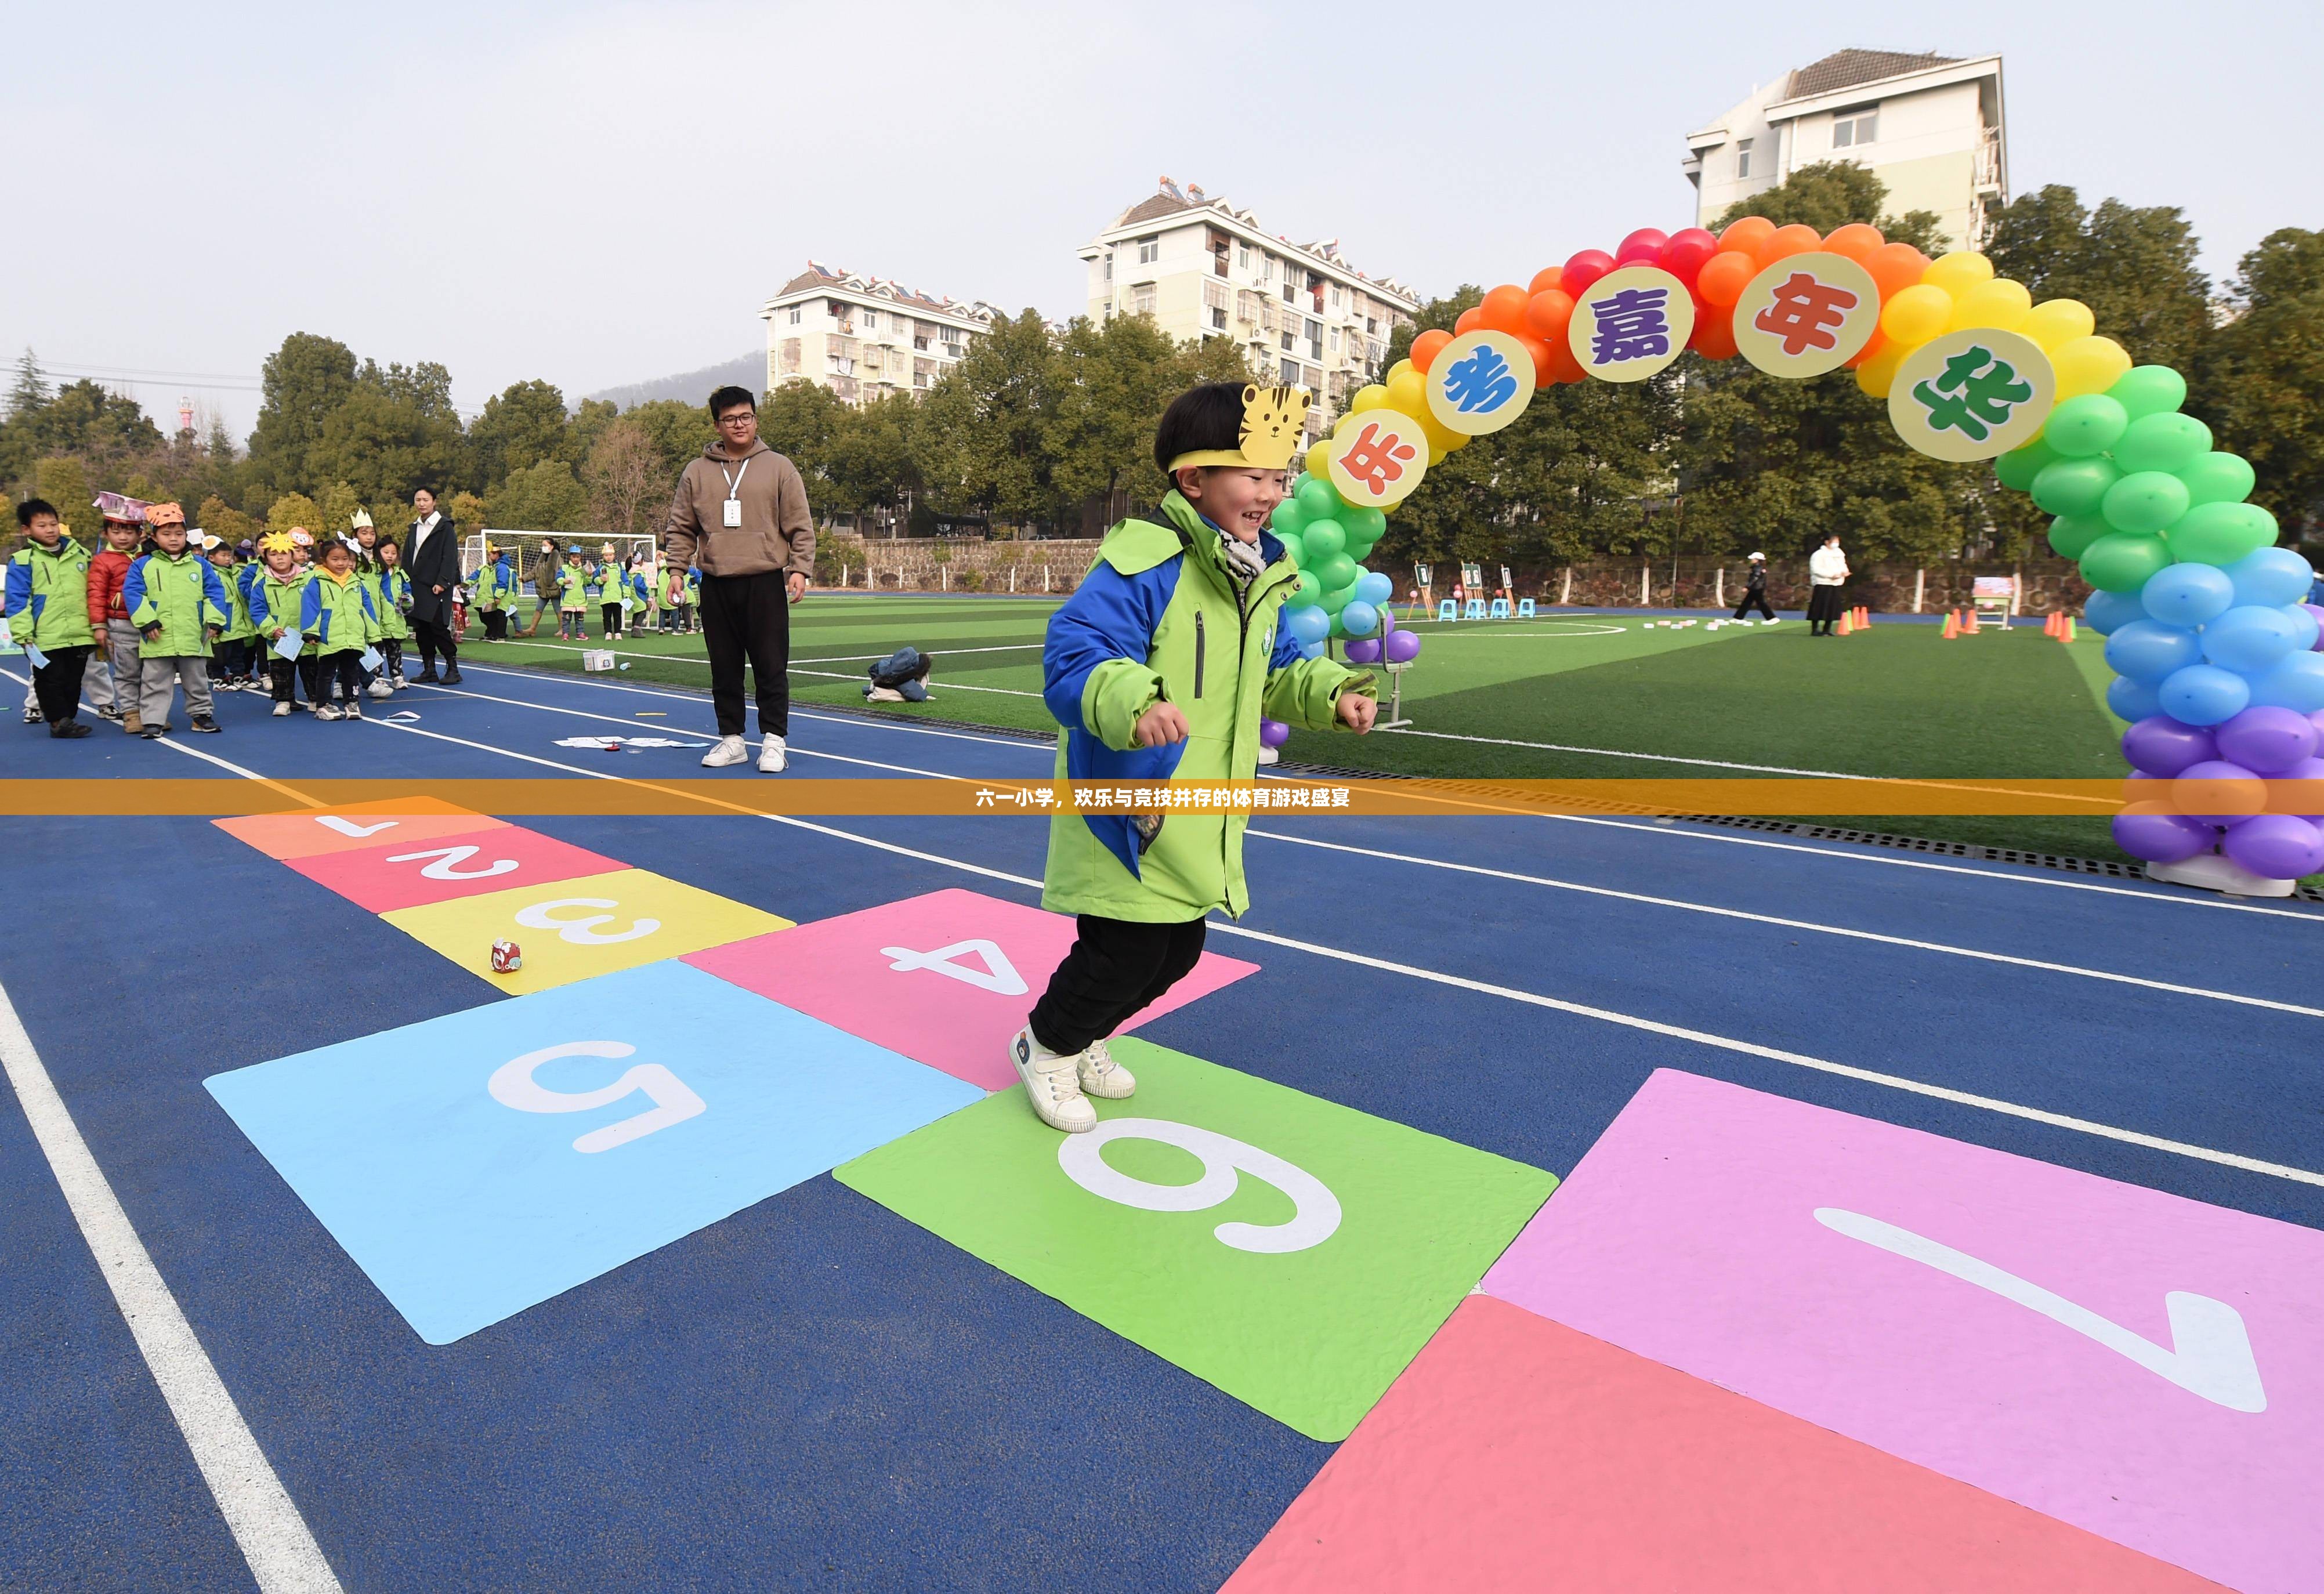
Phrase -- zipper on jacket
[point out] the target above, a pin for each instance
(1198, 652)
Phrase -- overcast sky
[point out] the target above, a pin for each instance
(603, 193)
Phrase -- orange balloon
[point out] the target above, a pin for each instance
(1544, 358)
(1504, 309)
(1562, 365)
(1795, 239)
(1872, 350)
(1425, 347)
(1469, 320)
(1546, 314)
(1895, 267)
(1725, 275)
(1745, 235)
(1856, 241)
(1546, 278)
(1714, 333)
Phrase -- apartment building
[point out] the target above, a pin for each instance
(864, 338)
(1930, 125)
(1200, 268)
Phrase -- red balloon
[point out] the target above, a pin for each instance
(1643, 247)
(1584, 269)
(1544, 358)
(1566, 367)
(1686, 252)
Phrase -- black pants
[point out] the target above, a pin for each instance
(318, 671)
(1116, 967)
(1757, 597)
(231, 659)
(56, 684)
(495, 625)
(611, 613)
(749, 614)
(1823, 609)
(280, 672)
(433, 637)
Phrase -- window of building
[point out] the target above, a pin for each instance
(1109, 265)
(870, 320)
(1141, 300)
(1743, 157)
(1242, 257)
(1851, 128)
(1335, 295)
(1107, 313)
(1314, 339)
(1290, 342)
(1266, 268)
(795, 315)
(1150, 250)
(1290, 374)
(1335, 340)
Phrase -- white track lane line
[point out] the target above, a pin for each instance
(267, 1528)
(195, 752)
(1946, 948)
(1507, 994)
(705, 663)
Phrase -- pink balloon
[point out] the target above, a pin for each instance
(1687, 254)
(1584, 269)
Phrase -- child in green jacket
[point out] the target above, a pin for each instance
(46, 602)
(235, 642)
(576, 590)
(179, 606)
(276, 598)
(395, 599)
(335, 614)
(1158, 668)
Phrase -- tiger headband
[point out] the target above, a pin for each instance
(1273, 419)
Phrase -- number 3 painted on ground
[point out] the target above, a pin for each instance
(1316, 1211)
(512, 1086)
(582, 931)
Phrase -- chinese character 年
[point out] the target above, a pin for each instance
(1806, 314)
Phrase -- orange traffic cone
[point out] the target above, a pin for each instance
(2066, 629)
(1970, 629)
(1846, 625)
(2049, 625)
(1952, 626)
(1863, 615)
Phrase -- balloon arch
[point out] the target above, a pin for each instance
(2216, 660)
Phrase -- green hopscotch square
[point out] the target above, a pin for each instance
(1311, 1336)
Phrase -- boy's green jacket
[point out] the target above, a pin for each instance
(1159, 618)
(47, 596)
(574, 587)
(182, 593)
(338, 615)
(238, 625)
(274, 605)
(496, 585)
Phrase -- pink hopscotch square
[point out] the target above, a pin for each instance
(438, 869)
(945, 978)
(2136, 1364)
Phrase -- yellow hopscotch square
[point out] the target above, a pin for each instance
(574, 929)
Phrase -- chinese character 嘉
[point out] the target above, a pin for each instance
(1481, 382)
(1631, 325)
(1378, 458)
(1806, 314)
(1973, 394)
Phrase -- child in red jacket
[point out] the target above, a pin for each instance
(116, 638)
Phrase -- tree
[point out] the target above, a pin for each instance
(296, 510)
(304, 382)
(521, 425)
(2260, 382)
(337, 507)
(868, 461)
(109, 432)
(31, 389)
(396, 432)
(798, 419)
(62, 481)
(983, 440)
(680, 432)
(1113, 380)
(223, 522)
(2134, 266)
(544, 496)
(465, 511)
(627, 489)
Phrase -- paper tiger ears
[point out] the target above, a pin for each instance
(1274, 422)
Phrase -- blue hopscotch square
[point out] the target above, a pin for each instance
(479, 1162)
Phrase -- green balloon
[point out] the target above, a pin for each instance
(2085, 425)
(2163, 442)
(2121, 562)
(1366, 523)
(1308, 591)
(1318, 498)
(1323, 538)
(2217, 478)
(2221, 533)
(1336, 572)
(2149, 389)
(2016, 469)
(1293, 549)
(1289, 516)
(2074, 486)
(2072, 535)
(1339, 598)
(2144, 501)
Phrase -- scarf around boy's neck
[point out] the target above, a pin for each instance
(1244, 562)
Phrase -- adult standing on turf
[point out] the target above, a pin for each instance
(741, 518)
(1755, 591)
(1827, 574)
(433, 563)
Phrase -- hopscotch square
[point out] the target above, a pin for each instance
(456, 1184)
(1514, 1445)
(286, 836)
(956, 1012)
(1302, 1289)
(2133, 1363)
(414, 872)
(576, 930)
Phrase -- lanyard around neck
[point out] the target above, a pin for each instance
(735, 481)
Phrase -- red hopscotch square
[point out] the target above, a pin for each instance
(416, 871)
(1516, 1454)
(956, 1012)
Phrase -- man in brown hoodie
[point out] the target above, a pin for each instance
(741, 518)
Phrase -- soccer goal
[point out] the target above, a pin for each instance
(523, 551)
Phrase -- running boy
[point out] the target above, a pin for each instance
(179, 606)
(46, 601)
(276, 598)
(1159, 668)
(335, 614)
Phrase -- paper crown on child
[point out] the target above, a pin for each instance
(301, 537)
(1273, 422)
(165, 514)
(361, 520)
(277, 542)
(120, 509)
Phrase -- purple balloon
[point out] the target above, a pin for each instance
(2161, 745)
(2146, 831)
(2212, 802)
(1387, 618)
(1273, 732)
(2277, 846)
(1403, 646)
(1364, 651)
(2318, 611)
(2265, 740)
(2307, 769)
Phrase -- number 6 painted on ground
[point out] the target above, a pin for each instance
(1316, 1211)
(512, 1086)
(582, 931)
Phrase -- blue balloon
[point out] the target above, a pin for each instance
(1374, 588)
(2132, 700)
(2187, 595)
(2147, 650)
(2203, 695)
(2304, 626)
(2296, 683)
(2249, 639)
(2271, 576)
(2107, 613)
(1311, 649)
(1358, 617)
(1308, 622)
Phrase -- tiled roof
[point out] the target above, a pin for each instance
(1846, 69)
(818, 275)
(1160, 205)
(1166, 203)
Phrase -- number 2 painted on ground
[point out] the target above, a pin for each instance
(1315, 1215)
(447, 861)
(582, 931)
(512, 1086)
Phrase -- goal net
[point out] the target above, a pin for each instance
(524, 550)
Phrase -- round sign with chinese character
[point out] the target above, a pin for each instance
(1972, 395)
(1629, 324)
(1376, 457)
(1480, 382)
(1806, 315)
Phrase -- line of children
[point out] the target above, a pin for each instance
(339, 622)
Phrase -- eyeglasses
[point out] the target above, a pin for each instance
(744, 419)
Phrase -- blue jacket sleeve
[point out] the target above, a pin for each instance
(214, 589)
(1287, 647)
(1110, 616)
(133, 587)
(311, 608)
(20, 589)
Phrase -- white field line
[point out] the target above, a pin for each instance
(192, 751)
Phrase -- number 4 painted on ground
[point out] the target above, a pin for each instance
(999, 975)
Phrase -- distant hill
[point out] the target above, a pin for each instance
(694, 387)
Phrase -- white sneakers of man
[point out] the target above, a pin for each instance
(1103, 1077)
(1052, 1083)
(729, 751)
(772, 756)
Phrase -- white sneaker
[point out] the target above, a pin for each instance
(380, 688)
(729, 751)
(772, 757)
(1267, 755)
(1051, 1086)
(1102, 1076)
(281, 709)
(324, 710)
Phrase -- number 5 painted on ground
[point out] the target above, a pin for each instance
(1315, 1215)
(512, 1086)
(447, 861)
(582, 931)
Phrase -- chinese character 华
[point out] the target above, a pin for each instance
(1481, 382)
(1631, 325)
(1378, 457)
(1973, 394)
(1806, 314)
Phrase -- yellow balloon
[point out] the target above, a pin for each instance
(1399, 368)
(1958, 272)
(1460, 440)
(1436, 452)
(1407, 391)
(2057, 322)
(1915, 315)
(1437, 432)
(2000, 304)
(1367, 398)
(1319, 463)
(1875, 375)
(2088, 365)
